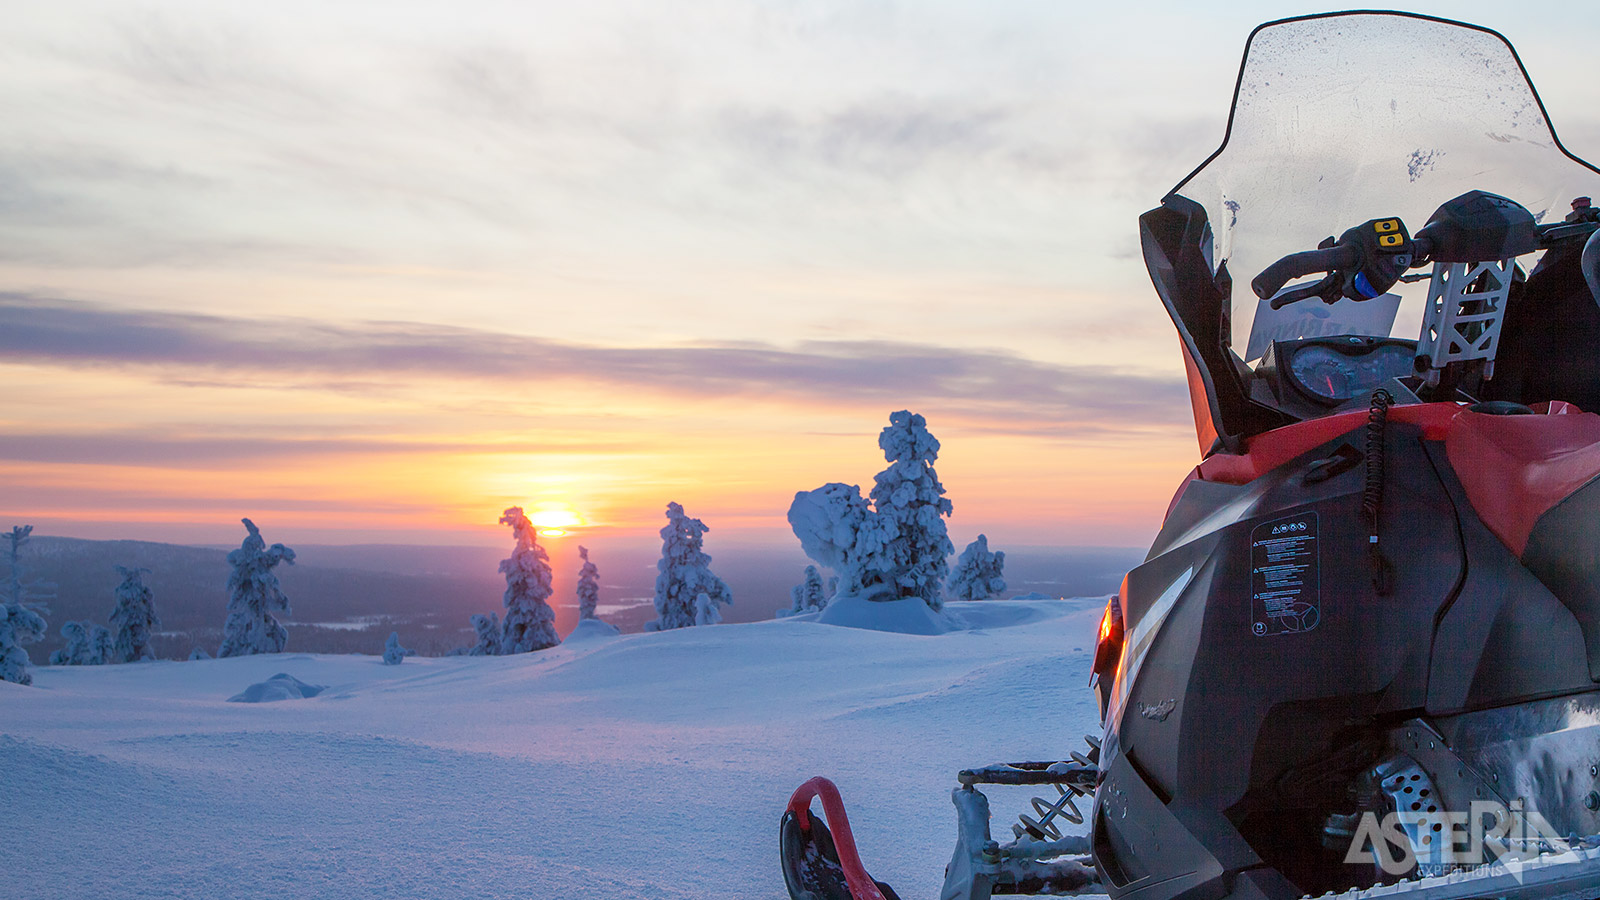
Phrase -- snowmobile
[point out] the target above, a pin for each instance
(1362, 657)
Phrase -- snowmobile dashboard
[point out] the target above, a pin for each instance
(1332, 371)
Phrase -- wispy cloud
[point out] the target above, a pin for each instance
(129, 447)
(61, 332)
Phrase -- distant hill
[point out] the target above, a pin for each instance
(190, 587)
(346, 599)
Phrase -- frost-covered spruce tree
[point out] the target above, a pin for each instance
(75, 650)
(488, 630)
(896, 546)
(393, 653)
(253, 596)
(198, 654)
(20, 619)
(101, 647)
(530, 623)
(908, 495)
(808, 595)
(588, 587)
(134, 617)
(684, 573)
(705, 610)
(832, 523)
(977, 575)
(87, 644)
(812, 589)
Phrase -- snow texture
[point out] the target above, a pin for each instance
(20, 619)
(281, 686)
(683, 574)
(393, 653)
(454, 777)
(134, 616)
(895, 546)
(253, 596)
(588, 586)
(977, 575)
(530, 623)
(907, 615)
(592, 630)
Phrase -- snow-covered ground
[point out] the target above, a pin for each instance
(651, 766)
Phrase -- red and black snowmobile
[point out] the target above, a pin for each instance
(1362, 658)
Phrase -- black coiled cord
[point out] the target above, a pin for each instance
(1372, 494)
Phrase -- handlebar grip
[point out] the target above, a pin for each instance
(1274, 277)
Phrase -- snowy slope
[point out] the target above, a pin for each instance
(643, 766)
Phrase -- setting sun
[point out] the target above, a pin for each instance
(553, 519)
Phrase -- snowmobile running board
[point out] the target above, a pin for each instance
(823, 864)
(1573, 874)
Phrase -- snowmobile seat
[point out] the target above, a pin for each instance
(1515, 468)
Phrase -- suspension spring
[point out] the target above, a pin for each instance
(1048, 812)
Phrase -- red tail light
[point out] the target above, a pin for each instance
(1107, 653)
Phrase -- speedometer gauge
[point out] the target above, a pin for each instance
(1335, 370)
(1327, 373)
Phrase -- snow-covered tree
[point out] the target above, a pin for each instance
(101, 646)
(75, 651)
(977, 575)
(253, 596)
(832, 525)
(134, 616)
(198, 654)
(20, 619)
(488, 630)
(684, 573)
(393, 653)
(705, 610)
(909, 495)
(896, 546)
(87, 644)
(808, 595)
(588, 586)
(530, 623)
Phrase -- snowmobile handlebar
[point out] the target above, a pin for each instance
(1368, 259)
(1297, 265)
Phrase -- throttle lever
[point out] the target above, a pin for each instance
(1325, 287)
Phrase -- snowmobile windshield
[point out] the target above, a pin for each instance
(1343, 118)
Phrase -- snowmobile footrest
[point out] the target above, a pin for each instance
(817, 865)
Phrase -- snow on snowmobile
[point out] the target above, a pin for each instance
(1362, 658)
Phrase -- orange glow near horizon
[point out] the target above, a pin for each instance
(329, 465)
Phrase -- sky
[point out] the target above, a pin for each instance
(373, 272)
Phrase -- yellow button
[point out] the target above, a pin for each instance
(1389, 240)
(1386, 226)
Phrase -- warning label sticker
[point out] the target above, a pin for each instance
(1285, 576)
